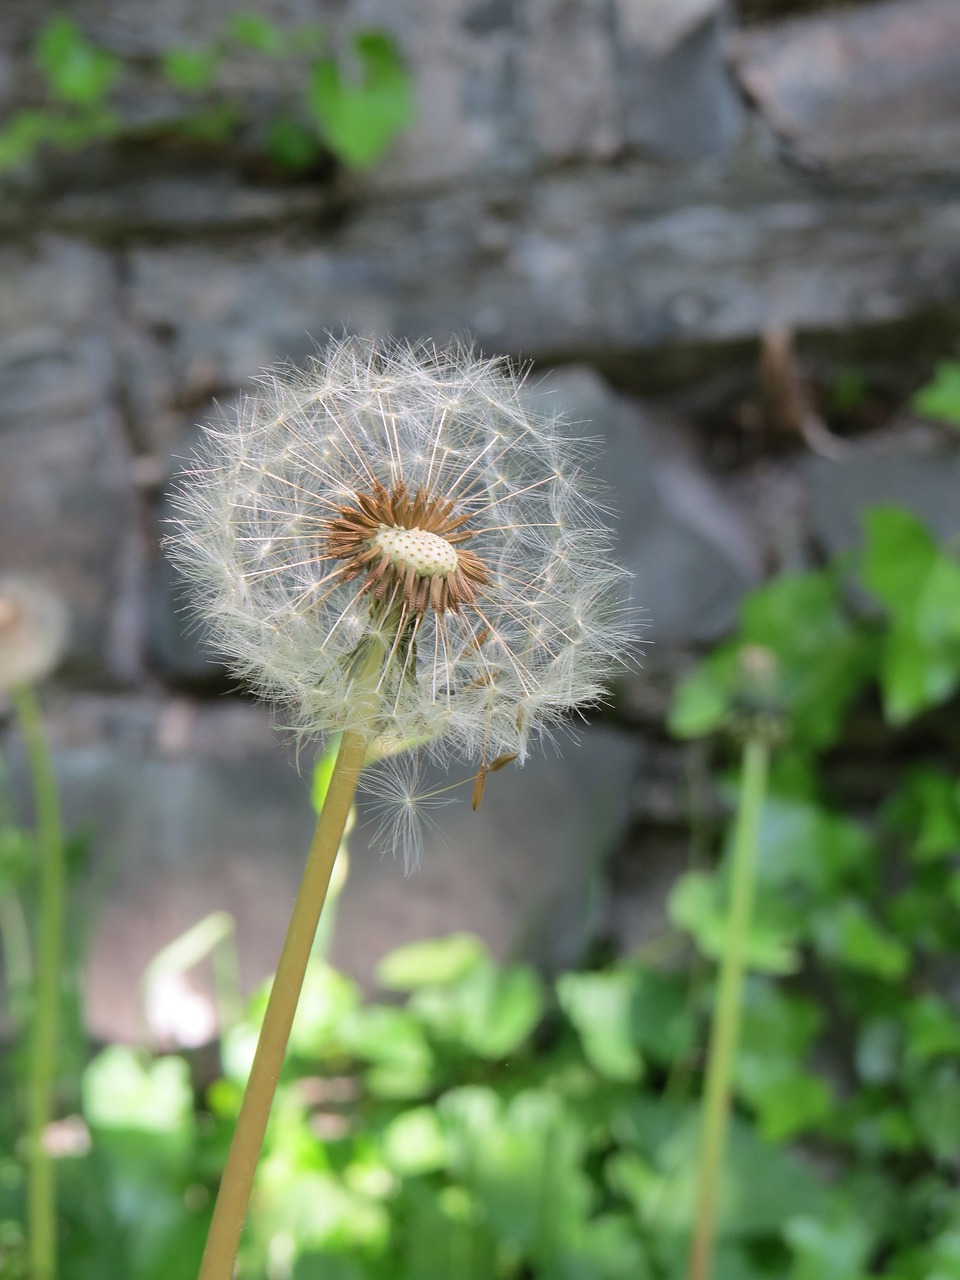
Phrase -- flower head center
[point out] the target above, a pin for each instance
(426, 553)
(408, 547)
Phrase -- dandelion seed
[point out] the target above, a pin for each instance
(401, 807)
(390, 542)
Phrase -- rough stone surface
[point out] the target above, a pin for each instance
(877, 83)
(65, 508)
(193, 808)
(553, 268)
(926, 481)
(689, 551)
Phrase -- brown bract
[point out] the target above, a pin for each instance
(430, 569)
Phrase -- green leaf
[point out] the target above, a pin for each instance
(123, 1089)
(191, 70)
(415, 1143)
(436, 962)
(912, 675)
(762, 1187)
(933, 1028)
(359, 120)
(926, 809)
(935, 1109)
(898, 555)
(940, 398)
(598, 1005)
(703, 700)
(835, 1247)
(291, 144)
(802, 843)
(846, 933)
(77, 71)
(938, 605)
(788, 1100)
(695, 905)
(522, 1161)
(490, 1012)
(393, 1042)
(20, 137)
(255, 31)
(661, 1020)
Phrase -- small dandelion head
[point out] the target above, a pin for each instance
(392, 542)
(33, 631)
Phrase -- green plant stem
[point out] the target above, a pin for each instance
(233, 1197)
(726, 1021)
(41, 1188)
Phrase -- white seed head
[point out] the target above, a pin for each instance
(33, 631)
(399, 508)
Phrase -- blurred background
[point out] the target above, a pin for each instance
(726, 236)
(633, 197)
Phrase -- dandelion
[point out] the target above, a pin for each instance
(392, 546)
(398, 512)
(33, 631)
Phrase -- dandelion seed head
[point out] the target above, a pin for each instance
(399, 509)
(33, 631)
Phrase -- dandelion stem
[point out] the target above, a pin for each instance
(41, 1188)
(726, 1022)
(230, 1209)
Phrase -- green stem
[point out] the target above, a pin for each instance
(41, 1189)
(233, 1197)
(726, 1022)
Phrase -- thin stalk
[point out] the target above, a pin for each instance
(233, 1197)
(726, 1021)
(42, 1056)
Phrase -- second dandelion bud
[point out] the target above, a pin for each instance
(391, 542)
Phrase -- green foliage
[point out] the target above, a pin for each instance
(359, 118)
(941, 398)
(353, 117)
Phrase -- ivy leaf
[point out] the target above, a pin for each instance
(933, 1028)
(191, 70)
(912, 675)
(359, 120)
(255, 31)
(695, 905)
(598, 1005)
(703, 699)
(926, 809)
(292, 145)
(899, 554)
(846, 933)
(940, 398)
(77, 71)
(489, 1012)
(434, 962)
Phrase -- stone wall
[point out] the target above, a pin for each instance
(630, 194)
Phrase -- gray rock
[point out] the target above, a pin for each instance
(927, 482)
(689, 551)
(66, 509)
(524, 872)
(196, 808)
(875, 86)
(560, 266)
